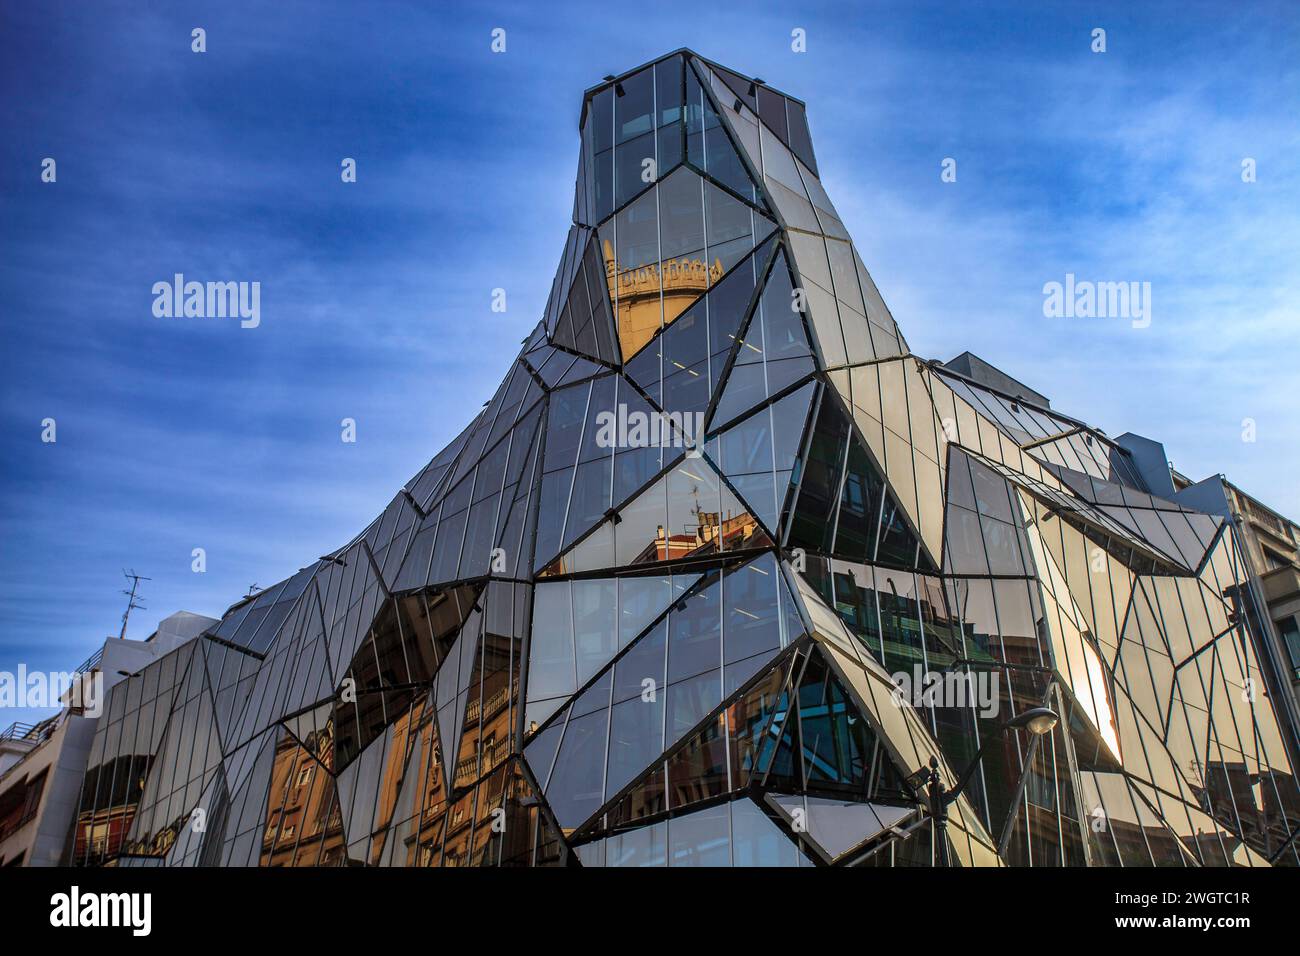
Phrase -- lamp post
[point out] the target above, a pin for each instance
(1038, 720)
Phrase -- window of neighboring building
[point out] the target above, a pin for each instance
(304, 776)
(1275, 560)
(1290, 632)
(19, 805)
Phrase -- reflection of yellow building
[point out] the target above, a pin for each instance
(101, 834)
(484, 747)
(736, 533)
(303, 824)
(637, 294)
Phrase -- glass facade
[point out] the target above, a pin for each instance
(719, 568)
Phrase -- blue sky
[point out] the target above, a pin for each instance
(182, 433)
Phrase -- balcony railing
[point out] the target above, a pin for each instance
(494, 704)
(30, 732)
(92, 662)
(1267, 520)
(33, 734)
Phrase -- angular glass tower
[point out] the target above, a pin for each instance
(648, 608)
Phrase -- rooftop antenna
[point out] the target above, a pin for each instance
(252, 589)
(131, 604)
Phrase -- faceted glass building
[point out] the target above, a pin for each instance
(719, 568)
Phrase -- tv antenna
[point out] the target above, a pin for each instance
(131, 602)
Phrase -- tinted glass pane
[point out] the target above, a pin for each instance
(576, 787)
(634, 110)
(695, 631)
(749, 596)
(635, 739)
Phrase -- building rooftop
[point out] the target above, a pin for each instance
(976, 369)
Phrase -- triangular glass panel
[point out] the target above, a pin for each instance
(570, 260)
(452, 691)
(540, 750)
(681, 368)
(709, 147)
(841, 488)
(663, 251)
(772, 354)
(313, 729)
(579, 626)
(836, 827)
(588, 325)
(303, 825)
(743, 121)
(688, 512)
(758, 455)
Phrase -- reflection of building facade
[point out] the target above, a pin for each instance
(304, 826)
(655, 294)
(555, 650)
(712, 535)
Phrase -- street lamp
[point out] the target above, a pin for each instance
(1038, 720)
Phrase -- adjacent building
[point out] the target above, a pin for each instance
(40, 789)
(42, 766)
(1271, 543)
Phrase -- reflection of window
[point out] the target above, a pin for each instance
(99, 838)
(1290, 632)
(304, 776)
(287, 832)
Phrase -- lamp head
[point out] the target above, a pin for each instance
(1038, 720)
